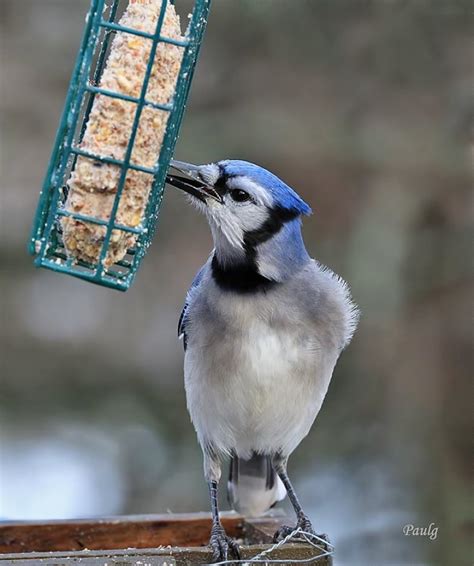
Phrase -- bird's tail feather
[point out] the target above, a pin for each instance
(254, 486)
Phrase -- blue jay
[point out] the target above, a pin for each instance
(263, 326)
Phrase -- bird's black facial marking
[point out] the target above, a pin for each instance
(244, 277)
(220, 186)
(278, 217)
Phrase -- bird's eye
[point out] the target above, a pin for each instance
(239, 196)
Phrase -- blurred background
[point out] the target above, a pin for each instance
(365, 108)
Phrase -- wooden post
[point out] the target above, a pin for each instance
(156, 540)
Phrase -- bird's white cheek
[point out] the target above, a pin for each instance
(251, 217)
(225, 228)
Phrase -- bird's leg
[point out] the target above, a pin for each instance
(219, 542)
(303, 522)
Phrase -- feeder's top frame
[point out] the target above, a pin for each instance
(45, 239)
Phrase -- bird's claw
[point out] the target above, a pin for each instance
(282, 533)
(221, 544)
(306, 527)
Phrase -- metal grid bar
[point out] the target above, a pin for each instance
(84, 264)
(81, 263)
(112, 161)
(153, 36)
(100, 222)
(111, 281)
(120, 96)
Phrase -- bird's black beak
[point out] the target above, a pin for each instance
(192, 184)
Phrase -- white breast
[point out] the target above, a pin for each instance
(256, 384)
(269, 355)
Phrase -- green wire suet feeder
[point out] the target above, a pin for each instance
(101, 231)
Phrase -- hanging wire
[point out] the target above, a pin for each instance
(325, 549)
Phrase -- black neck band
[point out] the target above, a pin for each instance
(240, 277)
(244, 277)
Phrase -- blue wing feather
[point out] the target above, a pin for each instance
(182, 318)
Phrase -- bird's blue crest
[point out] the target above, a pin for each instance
(282, 194)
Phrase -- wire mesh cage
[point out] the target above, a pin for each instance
(104, 184)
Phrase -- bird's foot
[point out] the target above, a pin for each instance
(306, 528)
(221, 544)
(305, 525)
